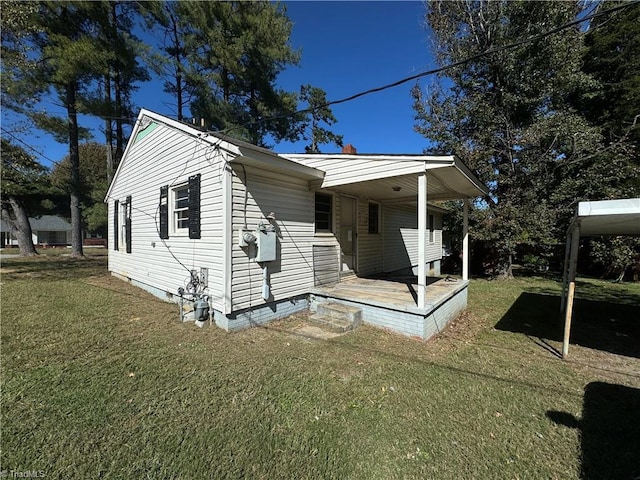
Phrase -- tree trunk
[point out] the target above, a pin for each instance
(108, 130)
(19, 226)
(74, 157)
(178, 62)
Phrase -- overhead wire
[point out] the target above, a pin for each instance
(449, 66)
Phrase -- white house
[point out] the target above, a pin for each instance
(264, 235)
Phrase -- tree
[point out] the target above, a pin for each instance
(18, 22)
(24, 186)
(239, 48)
(93, 184)
(113, 101)
(311, 130)
(508, 115)
(67, 50)
(171, 63)
(612, 59)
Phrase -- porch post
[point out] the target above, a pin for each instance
(465, 239)
(422, 240)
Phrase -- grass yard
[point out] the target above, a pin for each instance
(101, 380)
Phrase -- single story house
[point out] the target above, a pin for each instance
(262, 235)
(47, 230)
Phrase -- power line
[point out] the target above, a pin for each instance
(30, 147)
(459, 63)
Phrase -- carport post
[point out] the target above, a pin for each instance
(565, 272)
(422, 240)
(573, 265)
(465, 239)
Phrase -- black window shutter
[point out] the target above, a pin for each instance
(164, 212)
(127, 225)
(115, 225)
(194, 206)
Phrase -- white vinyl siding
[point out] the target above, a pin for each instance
(168, 157)
(401, 237)
(340, 170)
(256, 193)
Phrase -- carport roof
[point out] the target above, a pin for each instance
(608, 217)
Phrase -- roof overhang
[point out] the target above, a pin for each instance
(266, 160)
(447, 178)
(608, 217)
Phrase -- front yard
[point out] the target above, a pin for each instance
(101, 380)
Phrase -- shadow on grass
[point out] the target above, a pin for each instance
(610, 431)
(601, 325)
(58, 267)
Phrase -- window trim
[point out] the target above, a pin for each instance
(331, 213)
(173, 221)
(124, 216)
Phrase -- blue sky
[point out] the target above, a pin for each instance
(346, 47)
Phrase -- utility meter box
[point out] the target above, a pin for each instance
(266, 242)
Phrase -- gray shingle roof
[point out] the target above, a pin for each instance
(45, 222)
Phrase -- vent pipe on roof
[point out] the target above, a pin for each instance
(349, 149)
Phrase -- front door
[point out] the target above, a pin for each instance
(348, 233)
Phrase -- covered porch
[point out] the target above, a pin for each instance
(417, 305)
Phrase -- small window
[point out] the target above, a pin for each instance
(374, 217)
(180, 208)
(124, 215)
(324, 209)
(432, 226)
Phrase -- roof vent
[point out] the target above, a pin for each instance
(349, 149)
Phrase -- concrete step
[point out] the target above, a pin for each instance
(337, 325)
(341, 311)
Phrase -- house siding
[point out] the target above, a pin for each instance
(166, 156)
(345, 169)
(256, 193)
(400, 225)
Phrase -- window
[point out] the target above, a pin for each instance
(124, 225)
(432, 226)
(374, 217)
(324, 209)
(180, 209)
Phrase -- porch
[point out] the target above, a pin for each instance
(392, 302)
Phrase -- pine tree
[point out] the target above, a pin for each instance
(239, 48)
(315, 100)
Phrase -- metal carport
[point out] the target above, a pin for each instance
(605, 217)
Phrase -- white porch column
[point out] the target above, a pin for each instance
(465, 239)
(422, 240)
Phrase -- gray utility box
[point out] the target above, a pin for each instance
(266, 242)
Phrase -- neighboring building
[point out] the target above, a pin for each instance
(265, 233)
(47, 230)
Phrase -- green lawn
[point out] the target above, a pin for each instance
(101, 380)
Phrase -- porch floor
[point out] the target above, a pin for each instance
(396, 292)
(390, 302)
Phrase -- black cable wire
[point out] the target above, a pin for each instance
(30, 147)
(435, 70)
